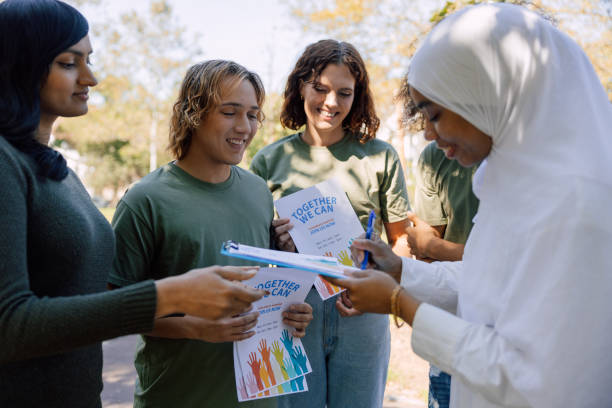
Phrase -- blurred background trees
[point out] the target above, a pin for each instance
(387, 33)
(140, 59)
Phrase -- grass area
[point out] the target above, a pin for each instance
(107, 212)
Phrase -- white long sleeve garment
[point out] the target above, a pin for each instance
(535, 330)
(530, 320)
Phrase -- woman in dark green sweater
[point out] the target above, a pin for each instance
(56, 249)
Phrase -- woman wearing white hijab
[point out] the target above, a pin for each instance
(530, 320)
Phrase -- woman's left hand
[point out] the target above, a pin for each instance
(299, 317)
(370, 290)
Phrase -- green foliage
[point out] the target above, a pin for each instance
(387, 32)
(145, 57)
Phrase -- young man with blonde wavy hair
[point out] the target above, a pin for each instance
(177, 218)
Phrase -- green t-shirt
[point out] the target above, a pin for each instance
(443, 194)
(165, 225)
(370, 174)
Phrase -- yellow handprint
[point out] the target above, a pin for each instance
(264, 375)
(344, 258)
(277, 352)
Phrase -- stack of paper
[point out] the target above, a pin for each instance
(273, 362)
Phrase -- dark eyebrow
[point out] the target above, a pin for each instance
(423, 104)
(316, 83)
(238, 105)
(76, 52)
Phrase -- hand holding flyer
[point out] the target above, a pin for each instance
(324, 223)
(273, 362)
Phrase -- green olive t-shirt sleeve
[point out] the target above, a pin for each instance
(394, 202)
(427, 201)
(135, 247)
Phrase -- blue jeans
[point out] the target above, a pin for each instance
(349, 358)
(439, 388)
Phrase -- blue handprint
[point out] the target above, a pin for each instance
(300, 383)
(287, 341)
(296, 364)
(289, 367)
(286, 386)
(300, 358)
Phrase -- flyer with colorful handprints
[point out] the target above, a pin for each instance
(273, 362)
(324, 223)
(247, 388)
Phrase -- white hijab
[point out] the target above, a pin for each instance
(538, 263)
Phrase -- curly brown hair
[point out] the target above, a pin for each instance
(412, 119)
(361, 120)
(201, 91)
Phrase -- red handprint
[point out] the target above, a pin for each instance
(328, 286)
(255, 365)
(264, 350)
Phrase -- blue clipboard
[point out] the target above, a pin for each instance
(317, 264)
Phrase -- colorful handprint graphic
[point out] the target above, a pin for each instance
(255, 365)
(264, 350)
(299, 382)
(344, 258)
(277, 352)
(298, 356)
(242, 390)
(287, 340)
(288, 365)
(263, 374)
(251, 384)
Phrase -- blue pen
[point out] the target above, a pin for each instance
(371, 218)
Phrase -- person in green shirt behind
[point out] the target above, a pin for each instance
(177, 218)
(444, 206)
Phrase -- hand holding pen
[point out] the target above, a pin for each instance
(368, 235)
(343, 303)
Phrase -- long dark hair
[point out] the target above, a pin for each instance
(361, 121)
(32, 34)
